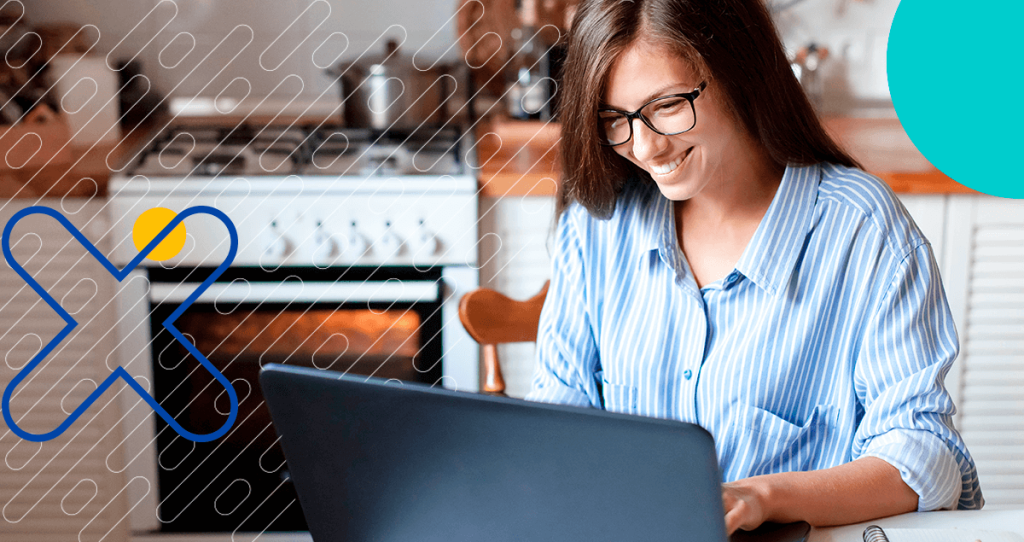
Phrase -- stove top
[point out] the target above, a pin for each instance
(253, 151)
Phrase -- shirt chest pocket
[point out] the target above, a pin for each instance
(764, 443)
(617, 397)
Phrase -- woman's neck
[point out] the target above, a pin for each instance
(714, 227)
(740, 195)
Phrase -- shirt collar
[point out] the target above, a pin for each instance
(657, 228)
(771, 255)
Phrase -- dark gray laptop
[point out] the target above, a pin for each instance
(399, 462)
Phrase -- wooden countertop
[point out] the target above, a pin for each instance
(520, 158)
(83, 171)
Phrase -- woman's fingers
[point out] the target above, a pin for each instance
(741, 509)
(733, 515)
(732, 521)
(737, 514)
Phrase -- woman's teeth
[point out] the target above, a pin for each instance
(669, 167)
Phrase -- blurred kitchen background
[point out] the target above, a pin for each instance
(298, 36)
(95, 92)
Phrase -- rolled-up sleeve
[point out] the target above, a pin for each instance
(567, 357)
(908, 346)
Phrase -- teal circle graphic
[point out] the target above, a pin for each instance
(955, 79)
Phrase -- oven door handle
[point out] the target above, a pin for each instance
(240, 291)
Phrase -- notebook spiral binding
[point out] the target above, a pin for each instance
(874, 533)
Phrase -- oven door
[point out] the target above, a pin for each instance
(383, 322)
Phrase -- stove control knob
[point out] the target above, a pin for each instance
(424, 243)
(355, 244)
(277, 246)
(325, 247)
(389, 245)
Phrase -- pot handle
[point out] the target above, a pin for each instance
(340, 74)
(338, 70)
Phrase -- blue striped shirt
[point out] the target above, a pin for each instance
(828, 342)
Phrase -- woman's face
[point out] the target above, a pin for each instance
(686, 164)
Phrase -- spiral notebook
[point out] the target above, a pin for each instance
(875, 533)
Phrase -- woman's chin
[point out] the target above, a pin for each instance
(676, 187)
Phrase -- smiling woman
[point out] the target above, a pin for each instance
(735, 51)
(719, 260)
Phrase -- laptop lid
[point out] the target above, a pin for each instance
(391, 461)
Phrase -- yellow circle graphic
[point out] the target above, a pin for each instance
(149, 224)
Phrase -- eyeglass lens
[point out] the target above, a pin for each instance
(668, 116)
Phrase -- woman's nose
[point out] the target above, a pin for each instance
(646, 142)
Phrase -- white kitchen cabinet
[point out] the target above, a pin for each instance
(984, 276)
(515, 238)
(64, 488)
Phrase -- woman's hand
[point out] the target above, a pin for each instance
(745, 503)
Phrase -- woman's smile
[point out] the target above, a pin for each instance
(665, 169)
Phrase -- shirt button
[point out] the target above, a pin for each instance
(687, 374)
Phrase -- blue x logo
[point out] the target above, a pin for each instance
(119, 372)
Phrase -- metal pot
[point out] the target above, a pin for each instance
(390, 93)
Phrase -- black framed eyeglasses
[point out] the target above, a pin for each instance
(665, 115)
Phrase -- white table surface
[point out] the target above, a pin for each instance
(989, 520)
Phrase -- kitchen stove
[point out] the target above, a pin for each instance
(300, 150)
(315, 195)
(354, 248)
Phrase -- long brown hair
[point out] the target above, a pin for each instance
(733, 44)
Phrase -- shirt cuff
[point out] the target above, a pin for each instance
(925, 464)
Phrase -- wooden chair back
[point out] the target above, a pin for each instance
(491, 319)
